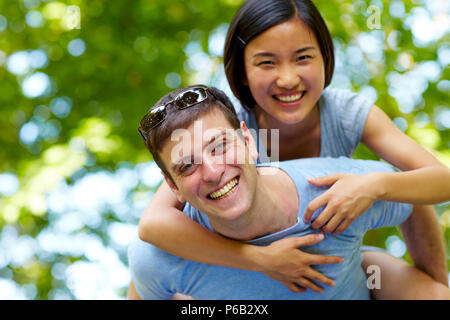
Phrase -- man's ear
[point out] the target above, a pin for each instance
(249, 141)
(174, 188)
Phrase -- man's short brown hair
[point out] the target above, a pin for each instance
(156, 138)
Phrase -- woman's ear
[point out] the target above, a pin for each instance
(174, 188)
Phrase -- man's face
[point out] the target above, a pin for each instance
(212, 166)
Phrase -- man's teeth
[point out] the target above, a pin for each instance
(225, 191)
(292, 98)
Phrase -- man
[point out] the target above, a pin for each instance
(207, 162)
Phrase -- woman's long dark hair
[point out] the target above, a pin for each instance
(255, 17)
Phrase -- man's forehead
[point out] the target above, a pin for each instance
(199, 137)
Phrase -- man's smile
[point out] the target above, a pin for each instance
(225, 191)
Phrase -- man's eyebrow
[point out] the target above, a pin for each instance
(223, 132)
(269, 54)
(180, 162)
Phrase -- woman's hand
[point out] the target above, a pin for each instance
(284, 262)
(349, 197)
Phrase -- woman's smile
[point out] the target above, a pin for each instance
(290, 100)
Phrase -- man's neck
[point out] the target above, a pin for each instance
(275, 208)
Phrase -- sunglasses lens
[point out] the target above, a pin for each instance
(153, 118)
(190, 98)
(157, 115)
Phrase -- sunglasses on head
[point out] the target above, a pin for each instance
(183, 100)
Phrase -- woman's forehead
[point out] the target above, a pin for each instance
(290, 35)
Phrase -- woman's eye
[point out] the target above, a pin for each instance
(267, 62)
(301, 58)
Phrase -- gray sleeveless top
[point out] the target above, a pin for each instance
(343, 116)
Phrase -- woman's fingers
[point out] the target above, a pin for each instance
(313, 206)
(304, 282)
(293, 287)
(333, 223)
(292, 266)
(307, 240)
(319, 277)
(322, 259)
(325, 180)
(325, 216)
(343, 226)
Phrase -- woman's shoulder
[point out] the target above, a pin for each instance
(340, 99)
(343, 116)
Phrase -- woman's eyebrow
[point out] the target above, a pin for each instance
(269, 54)
(304, 49)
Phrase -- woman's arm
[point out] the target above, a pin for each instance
(166, 227)
(410, 186)
(424, 174)
(425, 180)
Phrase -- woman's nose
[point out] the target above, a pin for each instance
(288, 77)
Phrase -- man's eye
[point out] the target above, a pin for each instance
(220, 147)
(186, 167)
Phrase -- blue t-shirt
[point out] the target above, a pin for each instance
(158, 274)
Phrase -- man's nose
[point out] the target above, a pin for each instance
(288, 77)
(212, 168)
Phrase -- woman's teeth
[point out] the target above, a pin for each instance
(291, 98)
(224, 191)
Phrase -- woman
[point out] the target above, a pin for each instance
(278, 60)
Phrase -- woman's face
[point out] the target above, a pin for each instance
(285, 71)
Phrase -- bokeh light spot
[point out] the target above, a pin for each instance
(18, 63)
(395, 246)
(61, 106)
(401, 123)
(38, 58)
(36, 85)
(29, 133)
(76, 47)
(173, 80)
(34, 19)
(3, 23)
(9, 184)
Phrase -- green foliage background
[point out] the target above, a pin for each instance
(135, 51)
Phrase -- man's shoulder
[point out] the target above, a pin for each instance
(196, 215)
(143, 254)
(329, 164)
